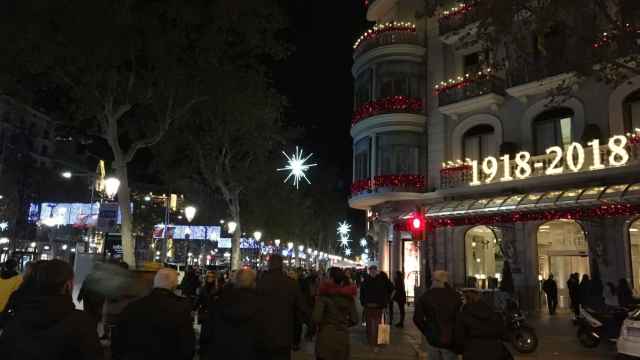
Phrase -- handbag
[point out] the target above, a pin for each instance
(384, 331)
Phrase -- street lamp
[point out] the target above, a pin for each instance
(301, 248)
(290, 245)
(190, 213)
(257, 235)
(66, 174)
(111, 186)
(231, 227)
(4, 240)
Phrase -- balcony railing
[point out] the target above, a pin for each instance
(468, 88)
(389, 183)
(385, 34)
(393, 104)
(462, 175)
(389, 38)
(459, 17)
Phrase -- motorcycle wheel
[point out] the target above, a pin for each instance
(587, 339)
(525, 340)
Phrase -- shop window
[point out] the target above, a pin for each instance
(479, 142)
(484, 260)
(363, 88)
(552, 128)
(634, 250)
(400, 153)
(361, 159)
(399, 79)
(631, 108)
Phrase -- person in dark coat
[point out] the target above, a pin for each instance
(573, 284)
(550, 287)
(399, 297)
(334, 312)
(479, 330)
(625, 295)
(92, 300)
(233, 321)
(375, 295)
(435, 315)
(207, 296)
(584, 291)
(44, 324)
(157, 326)
(281, 301)
(190, 284)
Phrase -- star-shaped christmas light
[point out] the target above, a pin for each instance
(347, 252)
(363, 242)
(297, 166)
(344, 229)
(344, 242)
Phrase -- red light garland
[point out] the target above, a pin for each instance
(384, 28)
(453, 170)
(458, 10)
(461, 83)
(603, 211)
(397, 104)
(413, 182)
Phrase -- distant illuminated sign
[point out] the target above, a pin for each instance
(557, 161)
(180, 232)
(59, 214)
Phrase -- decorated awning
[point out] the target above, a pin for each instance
(593, 196)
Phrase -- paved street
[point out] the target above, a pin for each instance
(557, 337)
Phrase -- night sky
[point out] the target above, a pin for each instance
(317, 81)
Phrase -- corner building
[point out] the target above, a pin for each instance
(501, 172)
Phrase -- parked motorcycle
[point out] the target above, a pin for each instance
(522, 336)
(594, 325)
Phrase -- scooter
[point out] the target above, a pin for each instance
(521, 335)
(596, 325)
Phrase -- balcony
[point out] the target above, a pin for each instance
(383, 188)
(393, 104)
(453, 23)
(461, 174)
(470, 93)
(391, 33)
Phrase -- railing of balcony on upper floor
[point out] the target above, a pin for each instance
(385, 34)
(458, 17)
(389, 183)
(387, 105)
(524, 72)
(469, 86)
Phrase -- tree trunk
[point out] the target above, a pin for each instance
(235, 241)
(124, 201)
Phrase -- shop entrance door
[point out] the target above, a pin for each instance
(562, 265)
(562, 251)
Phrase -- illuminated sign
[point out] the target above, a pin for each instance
(572, 159)
(180, 232)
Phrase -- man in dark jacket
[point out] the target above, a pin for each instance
(281, 301)
(435, 315)
(551, 289)
(573, 285)
(233, 321)
(157, 326)
(375, 295)
(479, 330)
(44, 324)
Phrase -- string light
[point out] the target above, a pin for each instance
(378, 29)
(393, 104)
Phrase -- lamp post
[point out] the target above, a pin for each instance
(189, 214)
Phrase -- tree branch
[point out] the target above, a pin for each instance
(164, 126)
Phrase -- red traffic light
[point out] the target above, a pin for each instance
(416, 223)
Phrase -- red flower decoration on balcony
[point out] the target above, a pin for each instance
(393, 104)
(360, 186)
(410, 182)
(400, 181)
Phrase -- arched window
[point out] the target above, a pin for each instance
(631, 112)
(552, 128)
(484, 259)
(479, 142)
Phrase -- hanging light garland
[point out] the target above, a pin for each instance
(393, 26)
(413, 182)
(603, 211)
(462, 81)
(457, 10)
(392, 104)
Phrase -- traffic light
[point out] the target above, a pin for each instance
(416, 224)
